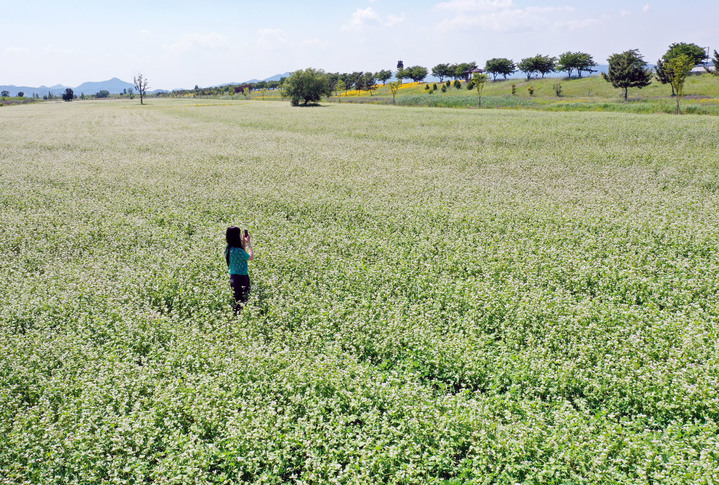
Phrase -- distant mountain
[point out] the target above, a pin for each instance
(276, 77)
(114, 86)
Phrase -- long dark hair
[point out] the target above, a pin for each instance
(234, 237)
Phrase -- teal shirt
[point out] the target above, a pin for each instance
(238, 260)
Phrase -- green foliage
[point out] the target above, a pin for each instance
(479, 81)
(530, 90)
(444, 88)
(557, 89)
(5, 93)
(369, 82)
(460, 70)
(306, 86)
(575, 61)
(394, 88)
(500, 65)
(514, 89)
(442, 71)
(384, 75)
(695, 53)
(628, 70)
(103, 93)
(537, 64)
(69, 95)
(457, 84)
(416, 73)
(677, 69)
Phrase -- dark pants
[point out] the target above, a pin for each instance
(240, 284)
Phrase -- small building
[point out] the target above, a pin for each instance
(469, 74)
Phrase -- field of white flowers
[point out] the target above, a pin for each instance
(439, 296)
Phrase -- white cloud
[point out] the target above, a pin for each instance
(647, 8)
(576, 24)
(624, 13)
(53, 49)
(504, 16)
(17, 50)
(369, 17)
(188, 42)
(393, 20)
(272, 38)
(475, 5)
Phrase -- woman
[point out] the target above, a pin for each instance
(237, 253)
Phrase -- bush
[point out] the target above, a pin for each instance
(102, 94)
(514, 89)
(470, 86)
(457, 83)
(530, 89)
(558, 89)
(444, 88)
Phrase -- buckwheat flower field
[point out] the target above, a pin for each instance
(439, 296)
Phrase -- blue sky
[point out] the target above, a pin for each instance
(182, 43)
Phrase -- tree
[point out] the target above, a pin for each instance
(715, 61)
(660, 73)
(358, 81)
(479, 81)
(545, 64)
(5, 93)
(416, 73)
(442, 71)
(678, 69)
(528, 66)
(21, 94)
(340, 86)
(384, 75)
(628, 70)
(500, 65)
(68, 95)
(332, 79)
(103, 93)
(347, 80)
(461, 69)
(695, 53)
(393, 88)
(306, 86)
(369, 82)
(579, 61)
(141, 84)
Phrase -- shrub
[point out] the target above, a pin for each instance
(457, 83)
(530, 88)
(514, 89)
(558, 89)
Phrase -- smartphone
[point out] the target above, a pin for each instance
(246, 233)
